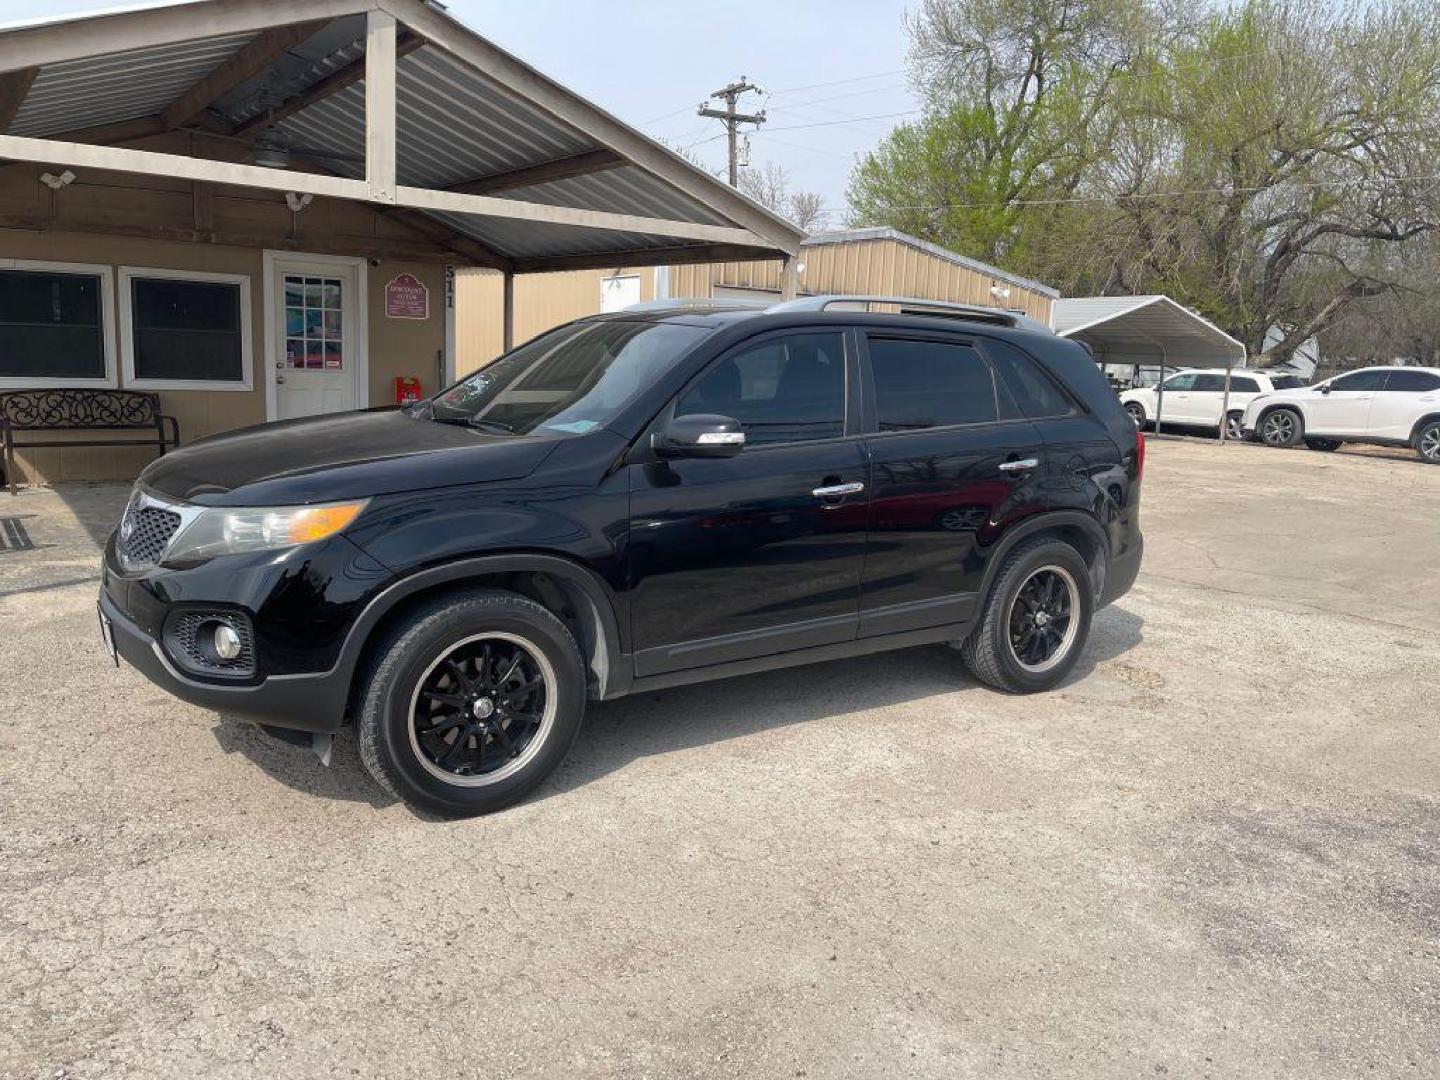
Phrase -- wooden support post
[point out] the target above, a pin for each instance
(507, 316)
(380, 153)
(789, 278)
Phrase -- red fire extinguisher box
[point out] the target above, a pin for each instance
(407, 389)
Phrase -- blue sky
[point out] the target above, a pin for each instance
(652, 62)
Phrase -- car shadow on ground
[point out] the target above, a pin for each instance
(617, 733)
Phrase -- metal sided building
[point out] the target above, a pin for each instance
(875, 262)
(255, 208)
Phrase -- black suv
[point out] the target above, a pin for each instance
(625, 503)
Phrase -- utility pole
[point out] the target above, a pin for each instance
(732, 119)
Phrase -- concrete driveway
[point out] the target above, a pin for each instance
(1214, 852)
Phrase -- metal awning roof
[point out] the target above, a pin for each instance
(439, 122)
(1145, 330)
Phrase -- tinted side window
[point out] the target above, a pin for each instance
(1415, 382)
(1179, 382)
(1360, 380)
(1241, 385)
(1212, 384)
(1030, 388)
(925, 384)
(785, 389)
(1287, 382)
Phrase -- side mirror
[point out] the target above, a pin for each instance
(1325, 389)
(703, 435)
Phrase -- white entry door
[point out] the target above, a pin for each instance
(317, 354)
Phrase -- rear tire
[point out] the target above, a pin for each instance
(473, 700)
(1323, 445)
(1427, 442)
(1281, 428)
(1235, 426)
(1042, 591)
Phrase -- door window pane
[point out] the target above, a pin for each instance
(1179, 382)
(50, 326)
(314, 322)
(1415, 382)
(1209, 384)
(1239, 384)
(187, 330)
(787, 389)
(1360, 380)
(1032, 393)
(925, 384)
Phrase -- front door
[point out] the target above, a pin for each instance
(317, 353)
(1174, 399)
(1345, 410)
(751, 555)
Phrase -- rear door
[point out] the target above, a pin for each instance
(1207, 399)
(759, 553)
(1345, 410)
(1407, 395)
(948, 475)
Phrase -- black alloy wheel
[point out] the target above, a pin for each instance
(1042, 618)
(480, 708)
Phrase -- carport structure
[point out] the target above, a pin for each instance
(388, 103)
(1142, 334)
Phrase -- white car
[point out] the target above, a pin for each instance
(1196, 397)
(1388, 406)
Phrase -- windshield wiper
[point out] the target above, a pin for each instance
(476, 422)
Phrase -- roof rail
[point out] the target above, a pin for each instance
(915, 305)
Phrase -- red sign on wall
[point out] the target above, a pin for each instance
(407, 298)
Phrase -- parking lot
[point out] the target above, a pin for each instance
(1215, 851)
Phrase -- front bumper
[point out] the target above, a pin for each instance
(309, 702)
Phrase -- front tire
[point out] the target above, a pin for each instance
(1235, 426)
(1427, 442)
(1035, 621)
(1282, 428)
(473, 700)
(1136, 412)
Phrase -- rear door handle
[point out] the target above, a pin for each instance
(1023, 465)
(838, 491)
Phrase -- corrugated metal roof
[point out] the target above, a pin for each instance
(1146, 327)
(108, 89)
(850, 236)
(456, 122)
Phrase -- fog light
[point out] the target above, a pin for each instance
(227, 642)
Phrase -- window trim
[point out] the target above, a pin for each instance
(129, 274)
(106, 274)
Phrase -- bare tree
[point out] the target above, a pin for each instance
(769, 185)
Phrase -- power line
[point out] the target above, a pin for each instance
(851, 120)
(839, 82)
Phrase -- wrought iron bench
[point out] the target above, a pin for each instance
(82, 410)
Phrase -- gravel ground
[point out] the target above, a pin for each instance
(1214, 852)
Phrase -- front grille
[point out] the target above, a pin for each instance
(144, 533)
(190, 635)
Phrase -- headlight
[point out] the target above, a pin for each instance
(224, 531)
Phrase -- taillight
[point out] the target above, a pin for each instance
(1139, 454)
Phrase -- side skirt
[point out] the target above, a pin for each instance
(839, 650)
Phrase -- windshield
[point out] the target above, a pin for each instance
(569, 381)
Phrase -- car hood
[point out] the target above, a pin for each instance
(342, 456)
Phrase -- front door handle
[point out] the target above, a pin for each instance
(1023, 465)
(838, 491)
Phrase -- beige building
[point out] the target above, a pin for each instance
(254, 208)
(874, 262)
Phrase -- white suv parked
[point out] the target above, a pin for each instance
(1388, 406)
(1196, 397)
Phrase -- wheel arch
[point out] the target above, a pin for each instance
(1078, 530)
(568, 589)
(1428, 418)
(1293, 406)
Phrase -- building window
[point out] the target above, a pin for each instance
(185, 331)
(55, 321)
